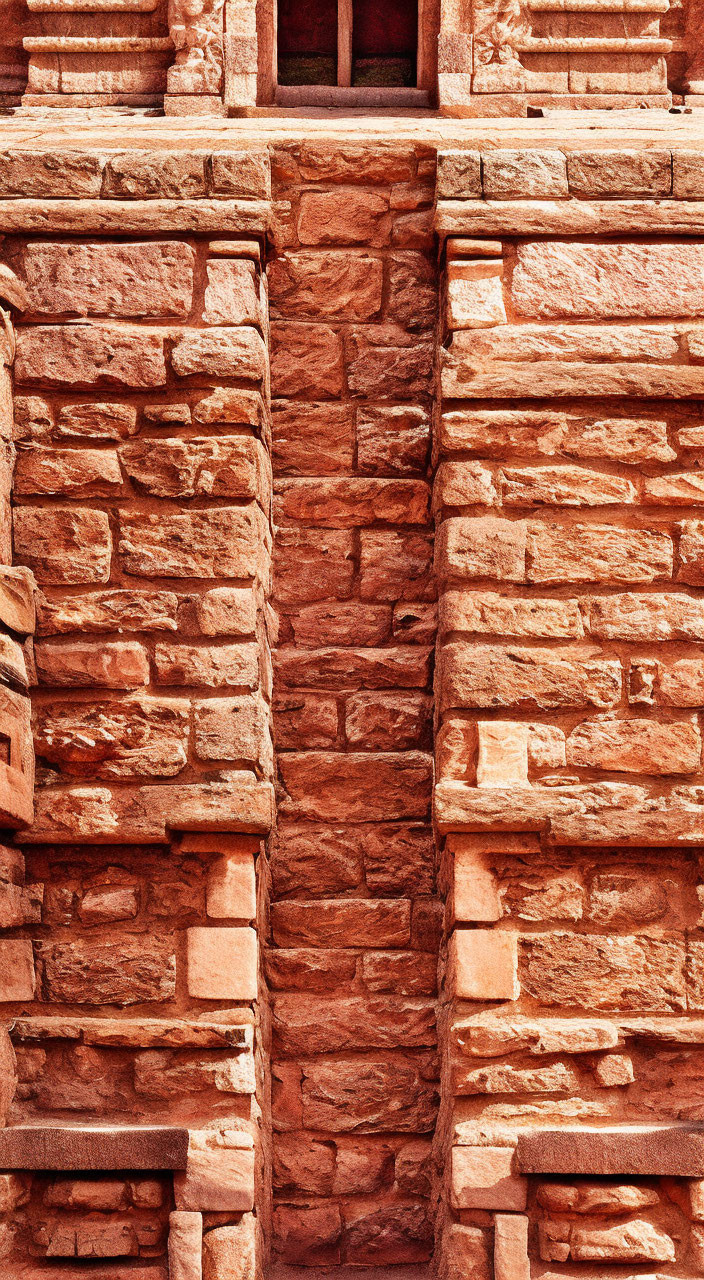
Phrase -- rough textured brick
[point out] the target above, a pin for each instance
(222, 542)
(109, 279)
(90, 355)
(609, 280)
(63, 544)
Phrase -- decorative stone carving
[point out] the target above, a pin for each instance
(196, 30)
(498, 26)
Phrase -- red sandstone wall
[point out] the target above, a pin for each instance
(354, 919)
(568, 557)
(567, 736)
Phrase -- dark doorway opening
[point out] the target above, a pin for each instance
(384, 43)
(307, 42)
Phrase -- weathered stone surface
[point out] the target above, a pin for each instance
(185, 1246)
(145, 737)
(493, 676)
(368, 1096)
(608, 280)
(307, 1025)
(91, 355)
(219, 1174)
(106, 279)
(72, 473)
(344, 217)
(104, 611)
(232, 293)
(597, 553)
(635, 746)
(229, 1253)
(65, 544)
(132, 970)
(114, 664)
(486, 1178)
(223, 542)
(343, 922)
(357, 786)
(222, 963)
(673, 1151)
(321, 285)
(220, 352)
(629, 973)
(312, 439)
(306, 360)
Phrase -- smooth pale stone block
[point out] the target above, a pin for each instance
(502, 759)
(483, 1178)
(222, 963)
(485, 964)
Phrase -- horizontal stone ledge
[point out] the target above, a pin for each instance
(146, 815)
(633, 1151)
(474, 217)
(101, 6)
(460, 807)
(650, 827)
(98, 44)
(66, 1147)
(123, 217)
(576, 6)
(146, 1033)
(540, 379)
(591, 44)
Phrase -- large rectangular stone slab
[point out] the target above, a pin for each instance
(93, 1147)
(647, 1151)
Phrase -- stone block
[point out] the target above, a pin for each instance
(228, 542)
(94, 1147)
(185, 1245)
(485, 964)
(475, 891)
(154, 174)
(219, 1174)
(236, 352)
(325, 284)
(107, 279)
(459, 175)
(54, 174)
(232, 295)
(17, 979)
(624, 1150)
(344, 217)
(511, 1261)
(231, 891)
(486, 1178)
(475, 295)
(242, 173)
(524, 175)
(608, 281)
(230, 1253)
(127, 970)
(222, 963)
(620, 173)
(63, 545)
(502, 759)
(74, 355)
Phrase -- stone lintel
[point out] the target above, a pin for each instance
(66, 1147)
(643, 1151)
